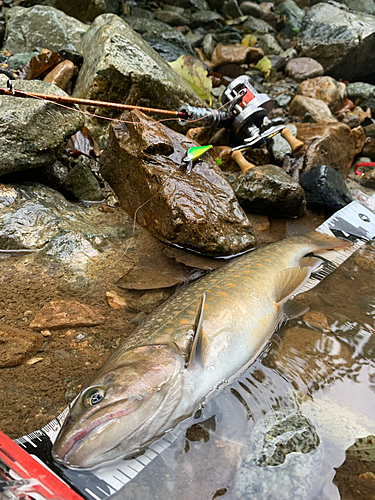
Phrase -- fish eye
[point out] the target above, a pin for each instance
(94, 396)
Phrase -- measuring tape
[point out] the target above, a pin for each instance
(27, 470)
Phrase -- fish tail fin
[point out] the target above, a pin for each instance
(325, 241)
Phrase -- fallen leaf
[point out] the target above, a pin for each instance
(194, 73)
(249, 40)
(265, 66)
(82, 143)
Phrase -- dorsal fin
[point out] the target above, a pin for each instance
(195, 354)
(288, 281)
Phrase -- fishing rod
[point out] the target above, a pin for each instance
(244, 111)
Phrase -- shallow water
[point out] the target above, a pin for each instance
(329, 375)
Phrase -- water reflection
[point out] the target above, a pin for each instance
(329, 376)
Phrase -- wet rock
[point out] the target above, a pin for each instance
(364, 92)
(236, 54)
(16, 345)
(324, 88)
(258, 25)
(143, 164)
(280, 147)
(269, 190)
(33, 132)
(269, 44)
(66, 314)
(317, 109)
(325, 188)
(32, 215)
(18, 60)
(171, 18)
(61, 74)
(34, 28)
(124, 68)
(52, 176)
(81, 183)
(168, 51)
(317, 320)
(343, 41)
(302, 68)
(332, 144)
(294, 16)
(153, 31)
(286, 459)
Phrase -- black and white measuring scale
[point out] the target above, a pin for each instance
(27, 470)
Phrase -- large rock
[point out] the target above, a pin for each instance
(38, 27)
(84, 10)
(120, 66)
(332, 144)
(325, 188)
(294, 16)
(269, 190)
(367, 6)
(33, 132)
(143, 163)
(17, 345)
(343, 41)
(326, 89)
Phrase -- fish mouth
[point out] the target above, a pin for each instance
(61, 453)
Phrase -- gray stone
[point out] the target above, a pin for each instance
(2, 28)
(363, 91)
(325, 188)
(84, 10)
(152, 30)
(251, 9)
(269, 44)
(269, 190)
(52, 175)
(258, 25)
(316, 108)
(280, 147)
(286, 460)
(33, 132)
(194, 39)
(205, 17)
(302, 68)
(343, 41)
(171, 18)
(38, 27)
(209, 44)
(18, 60)
(366, 6)
(294, 17)
(231, 9)
(142, 13)
(168, 51)
(121, 66)
(81, 183)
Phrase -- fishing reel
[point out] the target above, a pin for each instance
(245, 113)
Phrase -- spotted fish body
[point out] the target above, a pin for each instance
(194, 344)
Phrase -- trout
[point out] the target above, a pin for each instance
(196, 343)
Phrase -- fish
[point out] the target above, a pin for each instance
(186, 351)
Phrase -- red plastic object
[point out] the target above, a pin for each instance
(26, 478)
(363, 164)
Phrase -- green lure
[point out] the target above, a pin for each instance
(193, 154)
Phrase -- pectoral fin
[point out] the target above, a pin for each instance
(289, 281)
(195, 354)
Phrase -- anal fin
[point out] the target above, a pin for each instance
(289, 281)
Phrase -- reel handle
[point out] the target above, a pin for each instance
(241, 161)
(295, 143)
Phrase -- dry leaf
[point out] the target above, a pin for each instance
(40, 65)
(194, 73)
(265, 66)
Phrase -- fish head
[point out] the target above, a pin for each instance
(123, 408)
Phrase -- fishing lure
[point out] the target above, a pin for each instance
(193, 154)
